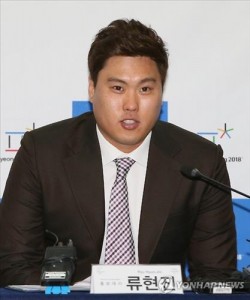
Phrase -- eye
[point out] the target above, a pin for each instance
(145, 90)
(118, 88)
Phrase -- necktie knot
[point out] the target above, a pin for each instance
(123, 165)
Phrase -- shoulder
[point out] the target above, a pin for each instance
(64, 125)
(62, 135)
(62, 130)
(187, 148)
(173, 134)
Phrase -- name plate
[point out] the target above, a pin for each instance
(136, 279)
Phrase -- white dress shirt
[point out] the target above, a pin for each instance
(135, 182)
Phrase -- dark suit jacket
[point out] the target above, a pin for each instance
(56, 183)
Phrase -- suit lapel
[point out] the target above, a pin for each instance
(84, 171)
(161, 185)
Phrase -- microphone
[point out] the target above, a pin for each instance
(194, 173)
(59, 264)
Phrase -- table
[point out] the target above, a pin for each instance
(7, 294)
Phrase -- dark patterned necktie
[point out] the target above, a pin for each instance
(120, 247)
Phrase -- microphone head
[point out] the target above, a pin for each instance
(190, 172)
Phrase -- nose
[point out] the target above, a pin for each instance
(131, 101)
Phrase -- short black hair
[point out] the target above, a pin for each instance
(127, 38)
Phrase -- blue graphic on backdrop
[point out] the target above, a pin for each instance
(242, 219)
(79, 107)
(82, 106)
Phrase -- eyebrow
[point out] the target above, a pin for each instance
(114, 79)
(144, 80)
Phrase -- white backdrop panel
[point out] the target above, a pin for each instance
(44, 46)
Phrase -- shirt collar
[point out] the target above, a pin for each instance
(109, 152)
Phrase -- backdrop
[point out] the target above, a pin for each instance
(44, 46)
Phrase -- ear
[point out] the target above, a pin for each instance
(91, 90)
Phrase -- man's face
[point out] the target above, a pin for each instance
(126, 100)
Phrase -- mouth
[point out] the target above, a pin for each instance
(129, 124)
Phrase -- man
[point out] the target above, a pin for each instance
(62, 176)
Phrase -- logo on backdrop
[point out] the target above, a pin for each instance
(13, 139)
(225, 131)
(221, 133)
